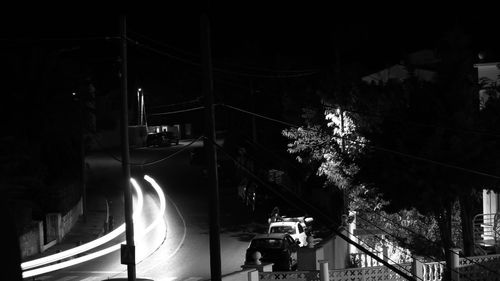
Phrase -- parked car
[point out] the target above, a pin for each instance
(278, 248)
(170, 138)
(153, 140)
(295, 228)
(162, 139)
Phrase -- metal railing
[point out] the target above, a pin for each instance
(486, 229)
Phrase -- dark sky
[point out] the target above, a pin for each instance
(303, 36)
(299, 31)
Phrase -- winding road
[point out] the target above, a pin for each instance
(177, 247)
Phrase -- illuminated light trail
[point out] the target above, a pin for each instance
(163, 206)
(92, 244)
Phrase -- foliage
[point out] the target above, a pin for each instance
(417, 148)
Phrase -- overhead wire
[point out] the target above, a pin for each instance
(177, 111)
(393, 119)
(150, 162)
(375, 147)
(91, 38)
(316, 211)
(385, 241)
(221, 70)
(433, 242)
(248, 67)
(292, 125)
(412, 256)
(371, 146)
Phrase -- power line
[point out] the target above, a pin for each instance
(369, 114)
(186, 61)
(292, 125)
(420, 235)
(95, 38)
(261, 116)
(373, 146)
(155, 161)
(237, 73)
(169, 156)
(177, 111)
(393, 235)
(176, 104)
(317, 211)
(197, 56)
(386, 257)
(254, 68)
(384, 231)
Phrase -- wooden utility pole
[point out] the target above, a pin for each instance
(128, 250)
(209, 143)
(82, 155)
(254, 124)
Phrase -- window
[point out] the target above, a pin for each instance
(267, 243)
(282, 229)
(300, 228)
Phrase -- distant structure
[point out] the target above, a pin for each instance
(420, 63)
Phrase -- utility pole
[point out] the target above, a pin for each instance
(128, 250)
(83, 177)
(82, 163)
(254, 124)
(209, 143)
(139, 106)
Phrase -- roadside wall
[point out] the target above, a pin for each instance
(32, 241)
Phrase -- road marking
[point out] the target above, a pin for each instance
(95, 278)
(67, 278)
(41, 278)
(183, 223)
(193, 279)
(95, 272)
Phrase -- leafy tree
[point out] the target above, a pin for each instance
(430, 167)
(416, 147)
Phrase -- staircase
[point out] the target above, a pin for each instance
(486, 230)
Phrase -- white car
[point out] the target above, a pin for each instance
(292, 227)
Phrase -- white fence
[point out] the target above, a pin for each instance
(479, 268)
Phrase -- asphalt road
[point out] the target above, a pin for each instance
(180, 249)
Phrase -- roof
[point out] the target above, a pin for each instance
(487, 64)
(271, 236)
(282, 223)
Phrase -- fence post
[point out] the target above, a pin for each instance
(253, 275)
(455, 264)
(416, 268)
(385, 251)
(323, 270)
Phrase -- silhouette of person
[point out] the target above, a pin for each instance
(275, 215)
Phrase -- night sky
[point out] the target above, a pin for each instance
(369, 34)
(271, 36)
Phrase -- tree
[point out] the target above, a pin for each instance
(445, 159)
(415, 145)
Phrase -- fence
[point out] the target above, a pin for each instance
(479, 268)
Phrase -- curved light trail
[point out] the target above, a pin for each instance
(97, 242)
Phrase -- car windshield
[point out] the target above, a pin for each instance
(282, 229)
(267, 243)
